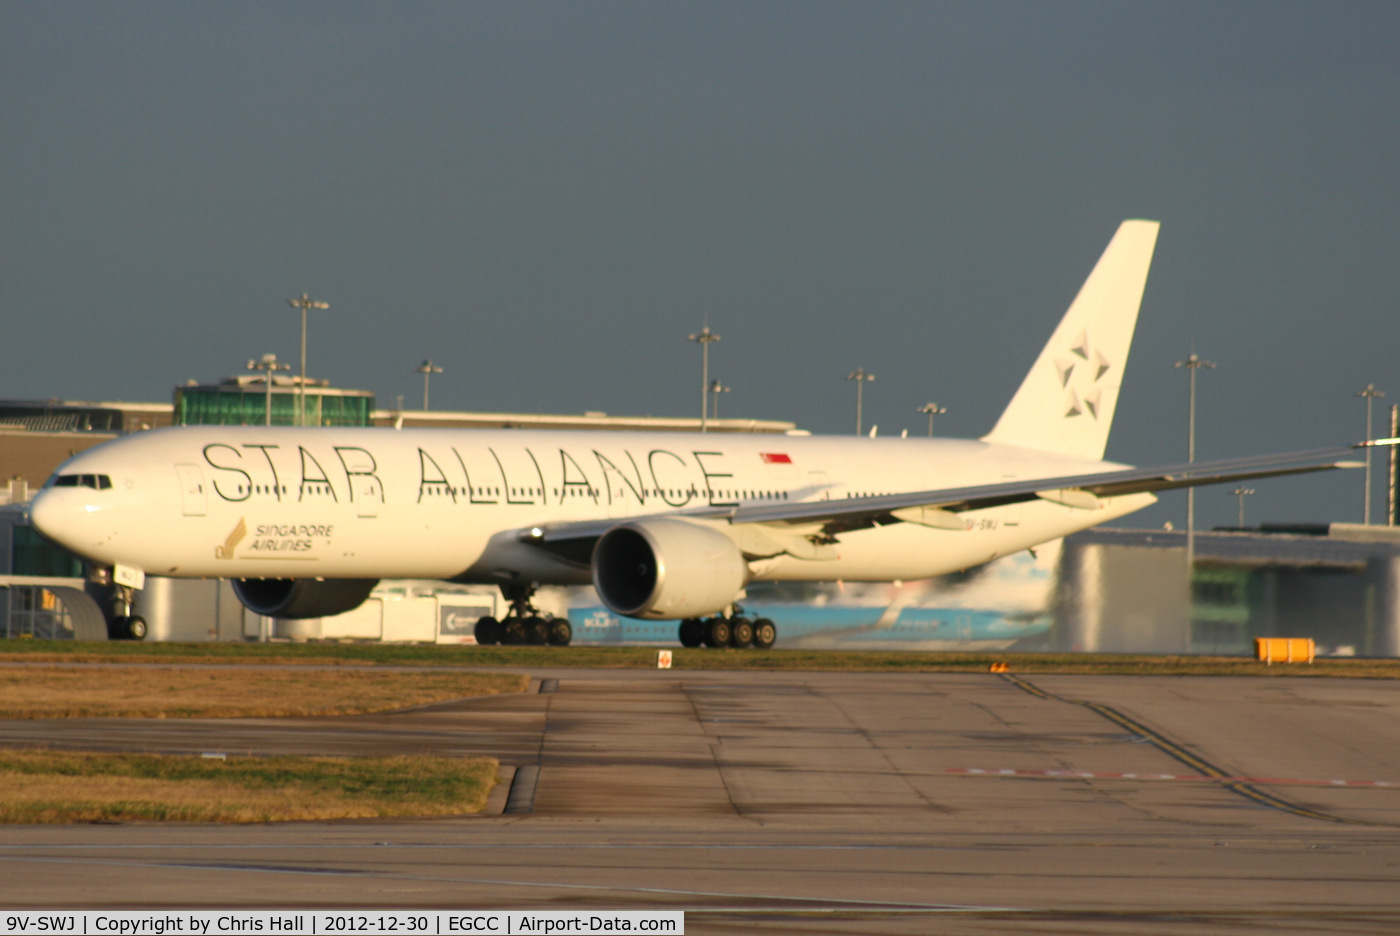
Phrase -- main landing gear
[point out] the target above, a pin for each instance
(736, 631)
(525, 624)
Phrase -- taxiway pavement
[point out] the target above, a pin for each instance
(811, 802)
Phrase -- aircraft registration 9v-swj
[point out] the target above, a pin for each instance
(664, 525)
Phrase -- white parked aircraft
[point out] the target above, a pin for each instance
(664, 525)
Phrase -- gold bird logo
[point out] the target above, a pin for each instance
(226, 551)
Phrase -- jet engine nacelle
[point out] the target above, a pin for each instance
(302, 598)
(660, 569)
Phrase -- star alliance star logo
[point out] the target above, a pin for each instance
(1080, 373)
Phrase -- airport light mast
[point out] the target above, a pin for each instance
(1240, 492)
(932, 409)
(268, 365)
(1191, 365)
(704, 337)
(861, 378)
(716, 388)
(427, 369)
(1394, 432)
(304, 303)
(1370, 393)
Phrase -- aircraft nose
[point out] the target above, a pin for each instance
(49, 514)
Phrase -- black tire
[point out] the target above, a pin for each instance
(691, 632)
(488, 631)
(718, 632)
(536, 631)
(560, 632)
(741, 633)
(765, 634)
(512, 632)
(136, 627)
(116, 628)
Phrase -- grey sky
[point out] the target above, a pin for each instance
(546, 198)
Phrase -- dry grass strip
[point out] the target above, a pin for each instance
(62, 787)
(203, 692)
(358, 657)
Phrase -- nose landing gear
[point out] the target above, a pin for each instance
(123, 625)
(525, 624)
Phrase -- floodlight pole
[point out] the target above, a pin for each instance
(1370, 393)
(705, 337)
(932, 409)
(304, 303)
(861, 378)
(1394, 432)
(1240, 492)
(716, 388)
(268, 365)
(1191, 365)
(427, 369)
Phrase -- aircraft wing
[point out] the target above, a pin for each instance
(939, 507)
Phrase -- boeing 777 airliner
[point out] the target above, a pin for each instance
(664, 525)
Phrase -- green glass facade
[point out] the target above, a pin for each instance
(235, 405)
(1221, 602)
(31, 554)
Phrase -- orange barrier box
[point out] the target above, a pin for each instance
(1272, 650)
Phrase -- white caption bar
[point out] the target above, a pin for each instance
(320, 922)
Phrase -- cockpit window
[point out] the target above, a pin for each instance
(95, 481)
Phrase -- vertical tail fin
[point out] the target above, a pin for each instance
(1067, 401)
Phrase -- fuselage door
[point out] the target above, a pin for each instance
(366, 490)
(193, 498)
(369, 494)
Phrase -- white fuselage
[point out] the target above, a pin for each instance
(253, 502)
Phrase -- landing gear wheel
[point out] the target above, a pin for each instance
(116, 628)
(488, 631)
(741, 633)
(513, 634)
(136, 627)
(718, 632)
(525, 624)
(692, 632)
(765, 634)
(560, 632)
(536, 631)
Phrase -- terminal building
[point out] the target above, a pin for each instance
(1127, 591)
